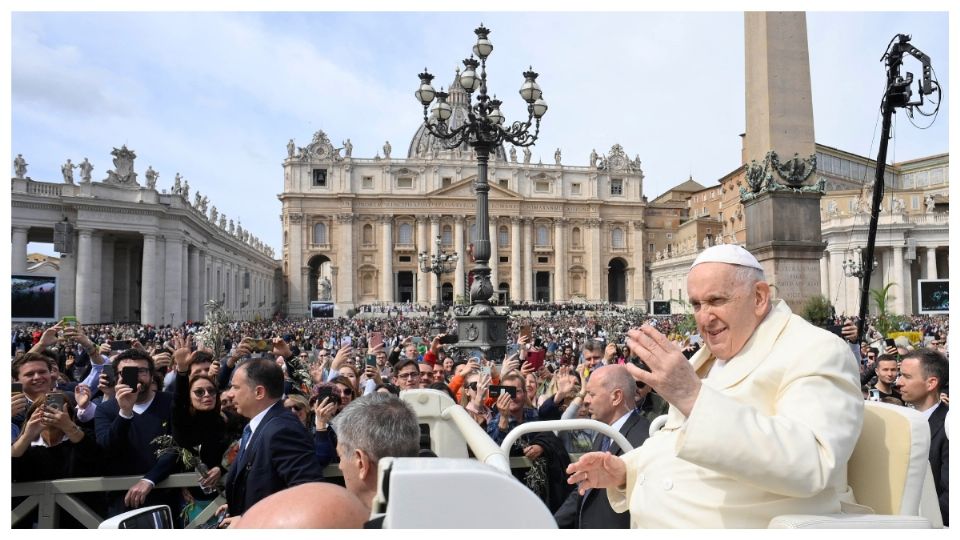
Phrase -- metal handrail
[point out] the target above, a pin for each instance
(482, 446)
(565, 425)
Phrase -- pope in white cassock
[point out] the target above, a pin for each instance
(762, 420)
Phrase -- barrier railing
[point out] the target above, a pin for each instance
(55, 496)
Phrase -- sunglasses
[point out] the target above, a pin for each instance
(200, 392)
(294, 408)
(472, 386)
(346, 392)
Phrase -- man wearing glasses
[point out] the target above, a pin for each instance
(126, 427)
(408, 374)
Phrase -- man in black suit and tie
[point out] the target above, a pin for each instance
(923, 376)
(610, 396)
(275, 451)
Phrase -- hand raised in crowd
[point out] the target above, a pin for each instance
(108, 390)
(58, 418)
(342, 358)
(323, 411)
(76, 334)
(281, 348)
(671, 374)
(892, 351)
(503, 403)
(483, 383)
(372, 372)
(610, 353)
(126, 398)
(597, 470)
(945, 399)
(162, 360)
(105, 350)
(214, 368)
(566, 386)
(34, 425)
(527, 368)
(49, 337)
(240, 351)
(282, 363)
(510, 364)
(849, 331)
(82, 394)
(435, 343)
(181, 353)
(18, 403)
(135, 344)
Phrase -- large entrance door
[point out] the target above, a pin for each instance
(503, 295)
(405, 286)
(319, 268)
(617, 281)
(446, 294)
(542, 287)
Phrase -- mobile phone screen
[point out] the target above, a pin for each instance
(111, 374)
(376, 339)
(371, 360)
(17, 387)
(129, 376)
(54, 400)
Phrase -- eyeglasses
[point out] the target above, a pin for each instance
(472, 386)
(346, 391)
(409, 375)
(200, 392)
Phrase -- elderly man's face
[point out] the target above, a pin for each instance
(726, 312)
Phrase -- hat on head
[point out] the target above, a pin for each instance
(727, 253)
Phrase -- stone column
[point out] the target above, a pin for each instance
(194, 307)
(149, 313)
(528, 259)
(459, 282)
(516, 269)
(184, 280)
(386, 266)
(88, 281)
(900, 296)
(107, 281)
(560, 260)
(67, 284)
(344, 283)
(204, 284)
(931, 263)
(598, 271)
(432, 250)
(494, 256)
(295, 249)
(825, 274)
(172, 279)
(18, 258)
(638, 292)
(121, 287)
(422, 282)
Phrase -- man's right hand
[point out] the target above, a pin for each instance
(18, 403)
(343, 356)
(126, 398)
(49, 337)
(597, 470)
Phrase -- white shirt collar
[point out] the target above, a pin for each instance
(621, 421)
(255, 421)
(929, 412)
(139, 408)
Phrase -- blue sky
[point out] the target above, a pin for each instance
(216, 96)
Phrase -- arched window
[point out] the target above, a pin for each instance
(617, 238)
(367, 235)
(447, 233)
(320, 233)
(577, 237)
(405, 234)
(543, 235)
(503, 236)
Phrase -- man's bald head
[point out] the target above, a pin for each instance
(315, 505)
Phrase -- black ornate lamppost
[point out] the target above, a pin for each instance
(856, 268)
(480, 328)
(438, 264)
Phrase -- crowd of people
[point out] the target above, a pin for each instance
(289, 397)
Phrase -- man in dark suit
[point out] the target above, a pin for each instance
(611, 399)
(126, 427)
(923, 376)
(275, 451)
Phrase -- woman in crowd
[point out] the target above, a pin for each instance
(326, 402)
(472, 397)
(52, 445)
(300, 408)
(199, 428)
(347, 389)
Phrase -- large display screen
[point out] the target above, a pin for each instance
(321, 310)
(934, 295)
(33, 298)
(660, 307)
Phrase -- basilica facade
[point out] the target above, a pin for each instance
(353, 228)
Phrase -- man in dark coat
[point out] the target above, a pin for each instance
(275, 451)
(611, 399)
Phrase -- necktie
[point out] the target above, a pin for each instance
(605, 445)
(247, 433)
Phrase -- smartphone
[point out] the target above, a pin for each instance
(371, 360)
(120, 345)
(17, 388)
(130, 376)
(535, 358)
(874, 394)
(496, 390)
(525, 329)
(485, 370)
(55, 400)
(327, 392)
(70, 320)
(449, 339)
(347, 341)
(376, 339)
(111, 374)
(835, 329)
(890, 342)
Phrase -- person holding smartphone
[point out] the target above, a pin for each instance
(52, 446)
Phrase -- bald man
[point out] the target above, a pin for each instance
(315, 505)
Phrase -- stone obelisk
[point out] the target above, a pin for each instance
(781, 207)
